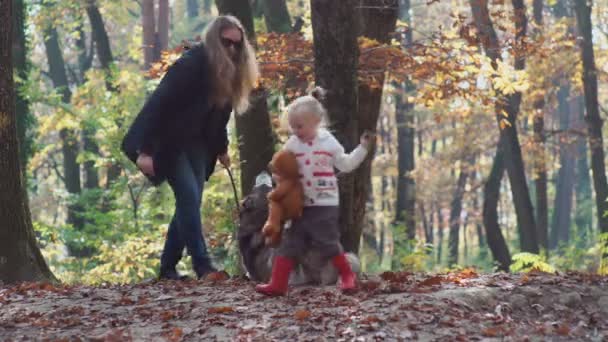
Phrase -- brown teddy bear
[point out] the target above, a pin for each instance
(286, 200)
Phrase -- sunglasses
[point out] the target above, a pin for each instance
(229, 42)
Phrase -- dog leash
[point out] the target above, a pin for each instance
(234, 191)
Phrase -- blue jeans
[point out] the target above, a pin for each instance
(187, 179)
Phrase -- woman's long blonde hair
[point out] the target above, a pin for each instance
(233, 81)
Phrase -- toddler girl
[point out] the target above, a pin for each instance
(317, 152)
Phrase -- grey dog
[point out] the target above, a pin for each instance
(257, 257)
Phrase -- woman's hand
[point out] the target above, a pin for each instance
(224, 159)
(146, 164)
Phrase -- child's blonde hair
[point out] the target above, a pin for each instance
(309, 104)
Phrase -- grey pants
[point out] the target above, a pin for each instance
(317, 229)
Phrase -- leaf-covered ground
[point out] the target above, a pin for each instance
(394, 306)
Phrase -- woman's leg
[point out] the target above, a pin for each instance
(188, 194)
(172, 252)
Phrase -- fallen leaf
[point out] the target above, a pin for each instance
(563, 330)
(302, 315)
(436, 280)
(491, 332)
(220, 309)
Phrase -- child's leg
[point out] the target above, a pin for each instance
(292, 246)
(326, 237)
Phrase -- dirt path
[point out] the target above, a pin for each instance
(397, 306)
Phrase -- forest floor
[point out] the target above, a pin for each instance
(394, 307)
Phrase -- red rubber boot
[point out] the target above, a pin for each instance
(347, 276)
(280, 277)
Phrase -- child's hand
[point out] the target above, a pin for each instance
(366, 139)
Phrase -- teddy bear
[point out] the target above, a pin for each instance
(286, 200)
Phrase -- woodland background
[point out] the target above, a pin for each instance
(489, 119)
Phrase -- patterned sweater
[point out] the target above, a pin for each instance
(317, 160)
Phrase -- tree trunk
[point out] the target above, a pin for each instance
(594, 121)
(20, 257)
(376, 23)
(85, 59)
(253, 128)
(542, 214)
(149, 32)
(440, 228)
(71, 168)
(583, 213)
(491, 194)
(163, 26)
(22, 67)
(276, 16)
(192, 9)
(565, 178)
(406, 186)
(455, 212)
(336, 60)
(508, 134)
(104, 54)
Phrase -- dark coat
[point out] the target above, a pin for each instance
(178, 114)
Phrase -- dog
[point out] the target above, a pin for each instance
(257, 257)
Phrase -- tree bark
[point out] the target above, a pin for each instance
(85, 58)
(491, 194)
(71, 168)
(20, 257)
(253, 128)
(24, 117)
(510, 104)
(594, 122)
(104, 54)
(562, 212)
(456, 211)
(149, 32)
(583, 213)
(542, 213)
(406, 186)
(336, 60)
(276, 16)
(440, 232)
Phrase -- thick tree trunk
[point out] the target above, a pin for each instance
(508, 134)
(71, 168)
(253, 128)
(491, 194)
(20, 257)
(594, 121)
(22, 67)
(276, 16)
(149, 32)
(336, 60)
(562, 212)
(376, 23)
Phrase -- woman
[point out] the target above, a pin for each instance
(180, 132)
